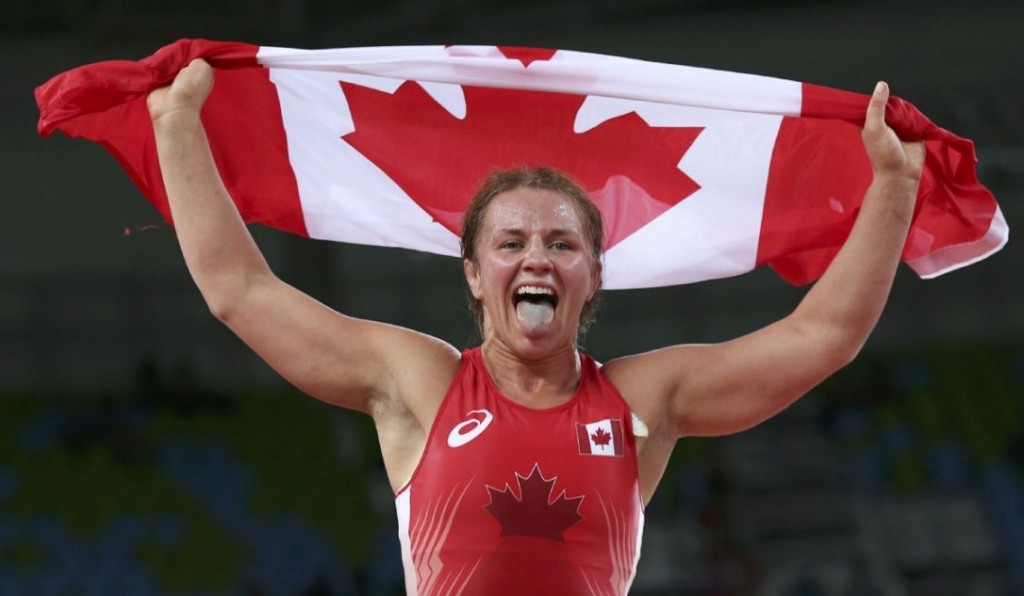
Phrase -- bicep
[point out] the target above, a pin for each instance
(333, 357)
(718, 389)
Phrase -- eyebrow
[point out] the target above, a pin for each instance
(552, 232)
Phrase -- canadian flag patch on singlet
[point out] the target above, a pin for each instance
(603, 438)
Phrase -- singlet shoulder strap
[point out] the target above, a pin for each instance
(592, 368)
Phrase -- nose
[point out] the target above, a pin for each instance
(536, 257)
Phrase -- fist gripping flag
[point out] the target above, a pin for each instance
(699, 174)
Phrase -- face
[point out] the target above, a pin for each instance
(534, 270)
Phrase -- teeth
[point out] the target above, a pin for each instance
(534, 290)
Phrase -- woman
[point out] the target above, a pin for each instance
(523, 466)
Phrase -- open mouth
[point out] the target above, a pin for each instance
(535, 295)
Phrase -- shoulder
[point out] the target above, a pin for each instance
(423, 364)
(651, 382)
(647, 370)
(417, 371)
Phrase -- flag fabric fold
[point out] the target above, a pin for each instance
(699, 174)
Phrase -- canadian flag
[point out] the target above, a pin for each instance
(700, 174)
(603, 437)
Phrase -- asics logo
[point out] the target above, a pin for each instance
(467, 430)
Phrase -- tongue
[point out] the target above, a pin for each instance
(534, 316)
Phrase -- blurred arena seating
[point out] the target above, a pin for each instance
(896, 477)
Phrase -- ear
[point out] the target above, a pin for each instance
(595, 281)
(472, 273)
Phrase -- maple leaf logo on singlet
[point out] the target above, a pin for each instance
(532, 539)
(534, 513)
(601, 437)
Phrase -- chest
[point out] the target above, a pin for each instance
(483, 438)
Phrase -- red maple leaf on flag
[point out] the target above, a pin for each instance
(526, 55)
(533, 513)
(630, 168)
(601, 438)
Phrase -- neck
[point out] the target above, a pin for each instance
(542, 382)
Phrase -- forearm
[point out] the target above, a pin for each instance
(218, 249)
(847, 301)
(731, 386)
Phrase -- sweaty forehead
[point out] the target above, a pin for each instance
(529, 208)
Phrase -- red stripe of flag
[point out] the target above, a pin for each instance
(242, 111)
(617, 437)
(583, 438)
(819, 173)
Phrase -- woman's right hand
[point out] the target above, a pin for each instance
(186, 94)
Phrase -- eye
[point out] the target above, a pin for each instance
(511, 244)
(561, 245)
